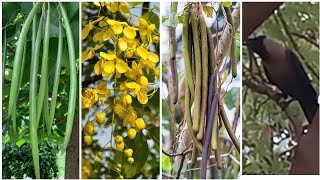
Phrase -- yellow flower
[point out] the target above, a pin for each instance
(85, 55)
(118, 109)
(126, 100)
(102, 91)
(139, 89)
(132, 133)
(129, 119)
(97, 4)
(91, 96)
(148, 58)
(118, 139)
(116, 26)
(140, 124)
(128, 152)
(87, 140)
(87, 28)
(88, 98)
(130, 160)
(130, 32)
(120, 146)
(124, 8)
(108, 56)
(100, 118)
(112, 6)
(89, 127)
(107, 68)
(146, 29)
(122, 44)
(129, 53)
(102, 35)
(143, 81)
(135, 70)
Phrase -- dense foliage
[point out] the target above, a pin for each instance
(18, 160)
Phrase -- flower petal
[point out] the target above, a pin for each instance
(97, 67)
(122, 44)
(153, 57)
(124, 8)
(142, 52)
(108, 67)
(130, 32)
(132, 85)
(110, 56)
(142, 97)
(121, 66)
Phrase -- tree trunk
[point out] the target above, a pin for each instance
(72, 157)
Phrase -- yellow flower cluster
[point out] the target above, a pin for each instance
(131, 67)
(91, 96)
(114, 6)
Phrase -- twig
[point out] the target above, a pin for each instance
(164, 175)
(235, 120)
(311, 41)
(184, 152)
(181, 165)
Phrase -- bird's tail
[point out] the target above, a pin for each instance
(309, 105)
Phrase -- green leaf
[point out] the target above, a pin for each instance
(226, 4)
(232, 97)
(20, 142)
(152, 18)
(164, 18)
(166, 164)
(208, 10)
(140, 149)
(180, 18)
(157, 8)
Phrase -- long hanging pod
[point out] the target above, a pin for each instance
(186, 51)
(4, 55)
(44, 67)
(18, 59)
(56, 77)
(73, 77)
(33, 101)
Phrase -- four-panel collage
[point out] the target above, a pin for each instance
(159, 89)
